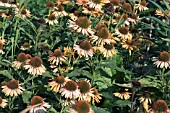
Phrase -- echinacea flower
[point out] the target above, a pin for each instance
(134, 18)
(2, 43)
(145, 97)
(70, 90)
(92, 12)
(97, 4)
(82, 2)
(163, 61)
(29, 56)
(63, 1)
(57, 57)
(81, 25)
(67, 102)
(35, 66)
(3, 102)
(123, 94)
(24, 12)
(19, 63)
(12, 88)
(57, 83)
(96, 96)
(50, 4)
(168, 12)
(85, 90)
(103, 36)
(37, 105)
(130, 44)
(6, 15)
(61, 68)
(158, 12)
(141, 6)
(127, 7)
(59, 11)
(81, 106)
(109, 8)
(122, 32)
(25, 46)
(115, 3)
(108, 50)
(68, 51)
(51, 20)
(84, 49)
(5, 3)
(119, 17)
(159, 106)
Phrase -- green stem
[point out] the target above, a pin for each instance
(163, 80)
(119, 21)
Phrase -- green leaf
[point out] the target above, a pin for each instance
(47, 74)
(107, 95)
(122, 103)
(99, 110)
(1, 24)
(6, 74)
(26, 95)
(52, 110)
(107, 71)
(103, 82)
(167, 5)
(5, 63)
(147, 82)
(116, 68)
(80, 72)
(166, 39)
(157, 20)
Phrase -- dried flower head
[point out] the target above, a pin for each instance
(127, 7)
(50, 4)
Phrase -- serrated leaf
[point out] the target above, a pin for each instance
(26, 95)
(6, 74)
(99, 110)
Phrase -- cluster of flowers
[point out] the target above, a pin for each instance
(68, 88)
(78, 94)
(146, 99)
(99, 40)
